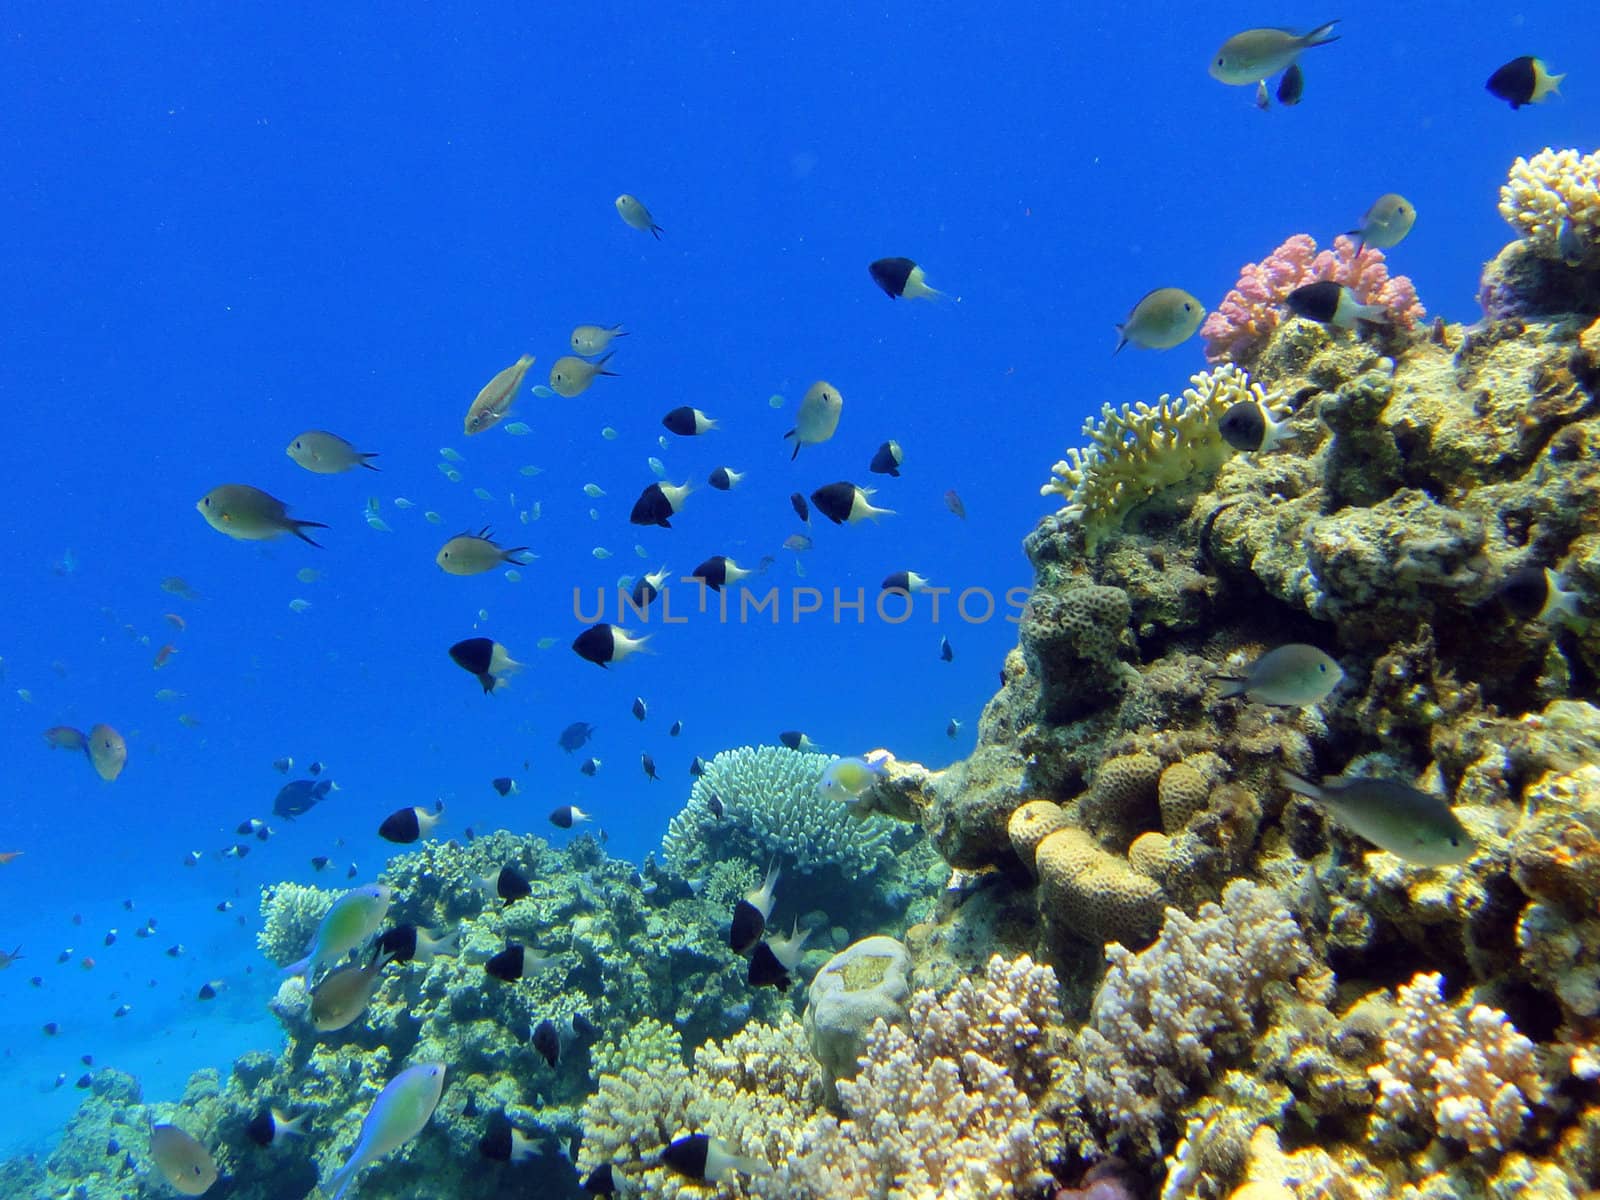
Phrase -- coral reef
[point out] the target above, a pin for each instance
(1238, 329)
(772, 810)
(1467, 1073)
(1146, 448)
(1165, 1019)
(1552, 186)
(950, 1106)
(1243, 996)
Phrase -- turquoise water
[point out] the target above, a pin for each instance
(219, 229)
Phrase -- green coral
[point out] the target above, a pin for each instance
(772, 810)
(1146, 448)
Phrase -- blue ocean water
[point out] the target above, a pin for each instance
(221, 226)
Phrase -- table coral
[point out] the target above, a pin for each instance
(772, 810)
(1462, 1069)
(1238, 329)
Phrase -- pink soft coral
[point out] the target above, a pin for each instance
(1244, 320)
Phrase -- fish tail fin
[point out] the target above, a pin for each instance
(366, 461)
(288, 1128)
(600, 364)
(1555, 84)
(1122, 340)
(1232, 685)
(1302, 787)
(299, 529)
(342, 1178)
(510, 556)
(793, 433)
(1322, 34)
(656, 231)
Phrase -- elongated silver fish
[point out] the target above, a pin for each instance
(1416, 825)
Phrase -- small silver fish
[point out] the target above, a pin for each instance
(1260, 53)
(1162, 319)
(1290, 676)
(1386, 223)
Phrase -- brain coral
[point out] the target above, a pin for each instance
(1145, 448)
(1240, 326)
(1553, 184)
(1092, 895)
(772, 810)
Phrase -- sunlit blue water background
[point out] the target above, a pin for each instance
(220, 226)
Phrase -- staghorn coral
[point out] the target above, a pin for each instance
(772, 810)
(1465, 1072)
(1551, 186)
(1167, 1017)
(1145, 448)
(1238, 329)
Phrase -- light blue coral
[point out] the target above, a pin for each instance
(772, 810)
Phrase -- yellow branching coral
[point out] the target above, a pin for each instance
(1547, 187)
(1144, 448)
